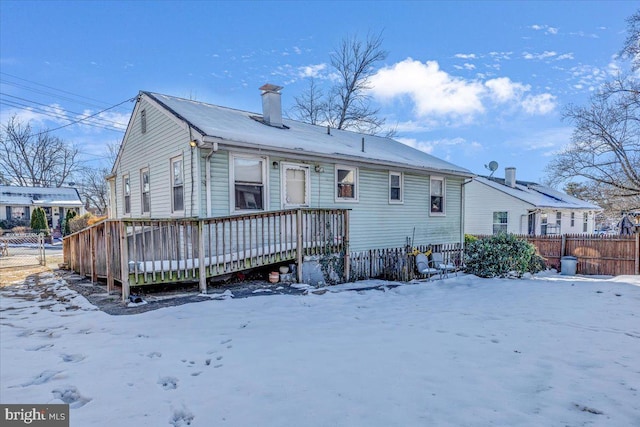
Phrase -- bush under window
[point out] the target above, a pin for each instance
(502, 255)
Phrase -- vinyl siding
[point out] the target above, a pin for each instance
(375, 223)
(164, 140)
(481, 201)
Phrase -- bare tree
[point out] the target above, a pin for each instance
(631, 48)
(310, 106)
(347, 104)
(94, 189)
(35, 159)
(605, 145)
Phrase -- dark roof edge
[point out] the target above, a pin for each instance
(169, 109)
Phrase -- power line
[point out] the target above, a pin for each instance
(50, 111)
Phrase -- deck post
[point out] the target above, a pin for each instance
(124, 262)
(109, 256)
(93, 236)
(345, 239)
(299, 244)
(637, 250)
(202, 267)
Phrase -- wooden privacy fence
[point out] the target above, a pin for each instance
(398, 264)
(610, 255)
(139, 252)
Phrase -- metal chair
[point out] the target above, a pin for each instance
(424, 267)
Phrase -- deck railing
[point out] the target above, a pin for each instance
(137, 252)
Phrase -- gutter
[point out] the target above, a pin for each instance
(304, 155)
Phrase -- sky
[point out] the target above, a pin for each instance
(468, 82)
(550, 350)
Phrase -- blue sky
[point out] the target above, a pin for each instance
(468, 82)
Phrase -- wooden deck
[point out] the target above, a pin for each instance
(136, 252)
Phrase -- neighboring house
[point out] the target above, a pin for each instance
(183, 158)
(17, 203)
(494, 205)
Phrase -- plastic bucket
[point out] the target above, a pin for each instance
(568, 265)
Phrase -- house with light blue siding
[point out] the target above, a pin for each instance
(182, 158)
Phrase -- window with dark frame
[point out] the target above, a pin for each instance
(585, 222)
(346, 178)
(573, 219)
(177, 185)
(437, 196)
(126, 187)
(395, 187)
(145, 190)
(248, 183)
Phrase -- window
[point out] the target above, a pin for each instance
(145, 188)
(126, 191)
(177, 185)
(395, 187)
(346, 184)
(437, 195)
(143, 121)
(500, 222)
(585, 222)
(559, 221)
(248, 181)
(295, 185)
(573, 219)
(543, 224)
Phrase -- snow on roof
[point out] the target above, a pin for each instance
(538, 195)
(45, 196)
(245, 127)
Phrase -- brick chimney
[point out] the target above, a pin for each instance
(271, 105)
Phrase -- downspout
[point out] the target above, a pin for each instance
(462, 208)
(207, 163)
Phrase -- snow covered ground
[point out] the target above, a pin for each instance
(548, 351)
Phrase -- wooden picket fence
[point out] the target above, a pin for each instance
(397, 264)
(611, 255)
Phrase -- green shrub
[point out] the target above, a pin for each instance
(66, 229)
(39, 221)
(502, 255)
(469, 238)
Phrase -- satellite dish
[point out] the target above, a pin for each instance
(493, 165)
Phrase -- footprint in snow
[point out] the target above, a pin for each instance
(71, 396)
(72, 357)
(168, 383)
(154, 354)
(181, 417)
(39, 347)
(43, 377)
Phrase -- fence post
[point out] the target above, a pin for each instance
(202, 267)
(563, 247)
(299, 244)
(637, 251)
(345, 239)
(124, 261)
(109, 256)
(93, 237)
(43, 260)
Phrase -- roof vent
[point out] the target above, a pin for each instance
(510, 177)
(271, 105)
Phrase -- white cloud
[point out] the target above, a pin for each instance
(548, 140)
(314, 70)
(466, 55)
(544, 55)
(539, 104)
(439, 97)
(433, 91)
(546, 28)
(469, 66)
(564, 56)
(552, 30)
(503, 89)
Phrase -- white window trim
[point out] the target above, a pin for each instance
(232, 183)
(444, 195)
(355, 199)
(500, 223)
(172, 186)
(124, 195)
(401, 201)
(283, 184)
(144, 213)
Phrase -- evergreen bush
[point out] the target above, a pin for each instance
(66, 230)
(39, 221)
(502, 255)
